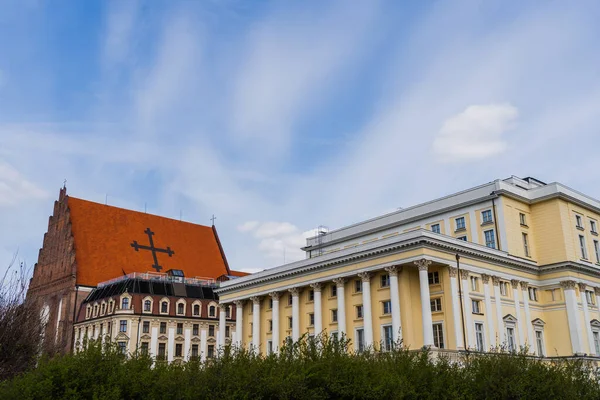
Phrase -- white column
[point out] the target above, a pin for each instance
(367, 310)
(527, 322)
(222, 324)
(239, 322)
(485, 279)
(499, 318)
(572, 316)
(395, 302)
(154, 342)
(187, 335)
(316, 287)
(520, 326)
(255, 324)
(295, 292)
(456, 313)
(171, 343)
(275, 319)
(341, 304)
(423, 265)
(586, 318)
(468, 307)
(203, 347)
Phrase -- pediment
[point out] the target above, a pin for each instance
(509, 318)
(179, 339)
(163, 337)
(538, 322)
(145, 337)
(595, 323)
(195, 340)
(212, 340)
(121, 336)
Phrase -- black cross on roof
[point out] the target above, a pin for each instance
(153, 249)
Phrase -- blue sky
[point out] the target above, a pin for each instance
(280, 116)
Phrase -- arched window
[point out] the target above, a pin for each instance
(164, 307)
(125, 303)
(212, 311)
(196, 309)
(147, 305)
(180, 308)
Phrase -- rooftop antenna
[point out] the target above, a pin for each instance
(213, 219)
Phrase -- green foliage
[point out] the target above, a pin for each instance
(308, 369)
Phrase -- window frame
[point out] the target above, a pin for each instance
(123, 325)
(359, 336)
(583, 247)
(462, 226)
(485, 220)
(387, 342)
(435, 304)
(491, 241)
(525, 237)
(478, 307)
(436, 228)
(433, 278)
(359, 311)
(522, 219)
(436, 339)
(479, 336)
(384, 281)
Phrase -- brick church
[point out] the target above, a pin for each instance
(89, 243)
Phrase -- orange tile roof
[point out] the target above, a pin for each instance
(238, 273)
(104, 236)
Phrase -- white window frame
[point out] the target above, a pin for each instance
(180, 301)
(460, 227)
(443, 332)
(360, 345)
(593, 226)
(387, 345)
(510, 322)
(151, 300)
(582, 247)
(433, 303)
(384, 281)
(533, 293)
(436, 228)
(522, 219)
(389, 307)
(433, 278)
(481, 335)
(526, 244)
(597, 251)
(360, 311)
(163, 300)
(596, 335)
(538, 328)
(478, 307)
(463, 238)
(492, 242)
(578, 221)
(199, 304)
(488, 220)
(269, 347)
(503, 288)
(474, 284)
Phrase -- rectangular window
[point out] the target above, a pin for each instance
(334, 335)
(438, 336)
(435, 228)
(539, 341)
(195, 329)
(269, 347)
(359, 311)
(388, 338)
(510, 338)
(270, 325)
(582, 247)
(436, 304)
(460, 223)
(593, 226)
(533, 294)
(463, 238)
(474, 284)
(360, 340)
(180, 328)
(123, 326)
(162, 350)
(479, 336)
(227, 329)
(290, 322)
(596, 336)
(522, 219)
(385, 280)
(211, 351)
(163, 327)
(178, 350)
(503, 288)
(290, 300)
(311, 319)
(311, 295)
(578, 221)
(589, 296)
(123, 347)
(334, 316)
(194, 351)
(486, 216)
(358, 286)
(490, 239)
(211, 330)
(144, 348)
(146, 327)
(334, 290)
(387, 307)
(476, 306)
(433, 277)
(597, 250)
(270, 303)
(526, 244)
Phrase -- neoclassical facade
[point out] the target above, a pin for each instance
(513, 263)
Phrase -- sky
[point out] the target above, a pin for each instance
(280, 116)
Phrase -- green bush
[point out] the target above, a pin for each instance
(308, 369)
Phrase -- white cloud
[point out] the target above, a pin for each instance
(120, 22)
(476, 133)
(248, 226)
(15, 188)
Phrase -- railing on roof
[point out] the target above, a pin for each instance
(158, 277)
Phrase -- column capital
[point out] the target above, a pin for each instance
(496, 280)
(524, 285)
(255, 299)
(365, 276)
(485, 278)
(339, 282)
(239, 303)
(464, 274)
(393, 270)
(423, 264)
(275, 295)
(316, 287)
(453, 271)
(582, 286)
(566, 285)
(597, 291)
(294, 291)
(515, 283)
(222, 306)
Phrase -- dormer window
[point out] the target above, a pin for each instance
(147, 305)
(196, 309)
(180, 309)
(125, 303)
(212, 311)
(164, 307)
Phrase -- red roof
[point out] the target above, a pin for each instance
(106, 239)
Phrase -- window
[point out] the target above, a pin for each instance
(147, 305)
(526, 244)
(359, 311)
(195, 329)
(211, 330)
(433, 277)
(290, 300)
(123, 326)
(101, 329)
(479, 336)
(180, 308)
(435, 228)
(385, 280)
(503, 288)
(194, 351)
(593, 226)
(358, 286)
(125, 303)
(111, 306)
(533, 294)
(146, 327)
(290, 322)
(486, 216)
(474, 283)
(334, 335)
(311, 295)
(196, 309)
(212, 311)
(270, 321)
(94, 331)
(436, 304)
(463, 238)
(388, 338)
(179, 328)
(539, 341)
(123, 347)
(227, 329)
(144, 348)
(597, 250)
(333, 290)
(164, 307)
(211, 351)
(589, 296)
(476, 304)
(438, 336)
(270, 304)
(490, 239)
(360, 340)
(269, 347)
(178, 350)
(334, 317)
(460, 223)
(102, 308)
(163, 327)
(522, 219)
(510, 338)
(311, 319)
(578, 222)
(162, 353)
(582, 247)
(227, 312)
(387, 307)
(553, 294)
(596, 336)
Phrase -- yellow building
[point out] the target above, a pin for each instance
(529, 261)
